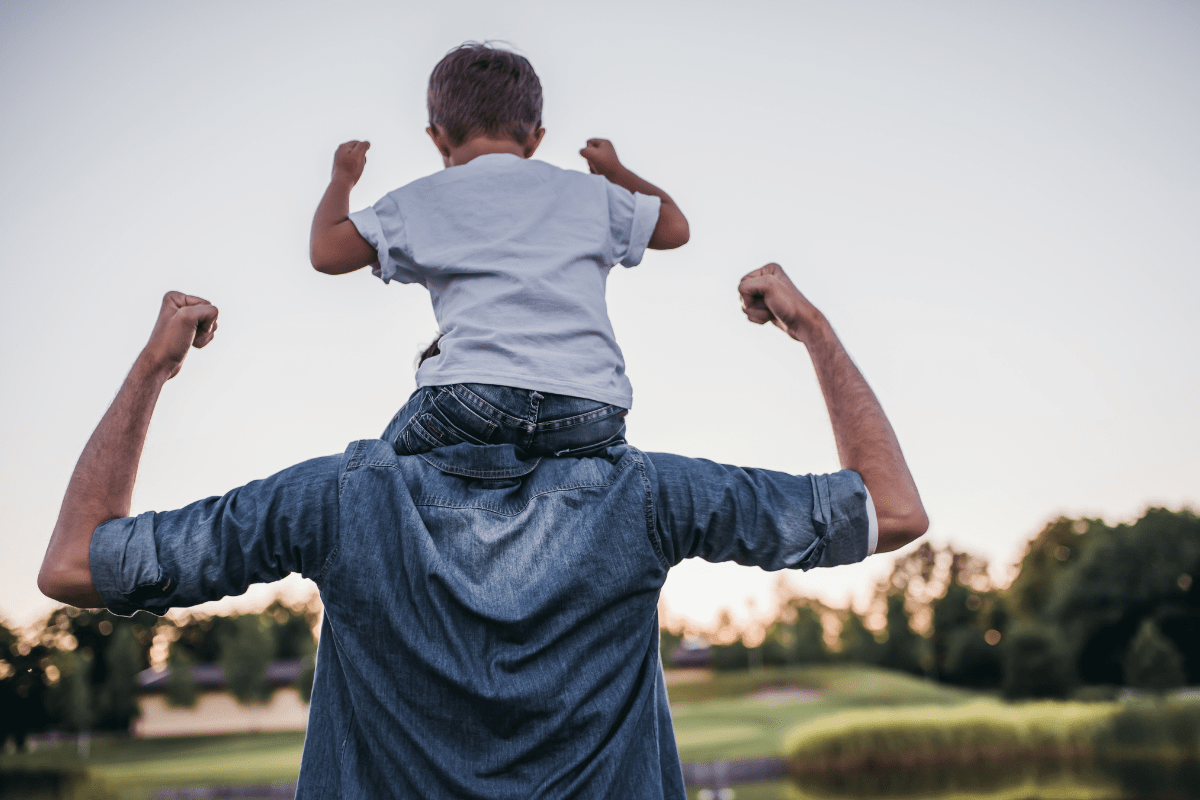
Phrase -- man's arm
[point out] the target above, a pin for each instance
(101, 487)
(865, 440)
(335, 246)
(672, 230)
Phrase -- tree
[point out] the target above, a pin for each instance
(182, 691)
(1123, 575)
(246, 652)
(668, 640)
(1048, 557)
(116, 700)
(1152, 662)
(808, 640)
(74, 698)
(1036, 663)
(292, 630)
(971, 660)
(903, 649)
(858, 643)
(116, 648)
(22, 688)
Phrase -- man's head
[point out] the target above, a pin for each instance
(480, 90)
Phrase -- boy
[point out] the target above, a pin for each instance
(515, 254)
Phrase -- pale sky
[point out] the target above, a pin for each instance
(996, 204)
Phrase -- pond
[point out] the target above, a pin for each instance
(1027, 779)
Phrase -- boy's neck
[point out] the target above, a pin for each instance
(481, 146)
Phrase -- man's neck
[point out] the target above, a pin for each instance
(481, 146)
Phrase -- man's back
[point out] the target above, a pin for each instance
(490, 631)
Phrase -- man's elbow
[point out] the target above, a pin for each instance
(71, 587)
(900, 529)
(53, 583)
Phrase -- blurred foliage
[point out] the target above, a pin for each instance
(1069, 620)
(182, 691)
(903, 648)
(667, 642)
(78, 671)
(304, 681)
(247, 649)
(1037, 663)
(1152, 662)
(52, 783)
(857, 641)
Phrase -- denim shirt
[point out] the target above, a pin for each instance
(491, 626)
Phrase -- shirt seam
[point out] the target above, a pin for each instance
(651, 527)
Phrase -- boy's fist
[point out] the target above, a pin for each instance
(349, 160)
(601, 157)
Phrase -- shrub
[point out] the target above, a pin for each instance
(1152, 662)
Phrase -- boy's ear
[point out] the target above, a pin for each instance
(439, 141)
(531, 144)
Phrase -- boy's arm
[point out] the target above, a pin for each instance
(672, 228)
(335, 246)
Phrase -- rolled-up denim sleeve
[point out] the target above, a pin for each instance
(218, 547)
(758, 517)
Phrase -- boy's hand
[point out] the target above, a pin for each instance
(601, 157)
(349, 161)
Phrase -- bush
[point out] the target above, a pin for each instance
(1152, 662)
(1036, 664)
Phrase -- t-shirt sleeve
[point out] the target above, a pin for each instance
(382, 225)
(631, 220)
(218, 547)
(758, 517)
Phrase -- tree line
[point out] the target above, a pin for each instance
(78, 673)
(1093, 608)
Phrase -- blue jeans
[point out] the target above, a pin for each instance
(539, 424)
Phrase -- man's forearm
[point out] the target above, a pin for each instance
(865, 440)
(101, 487)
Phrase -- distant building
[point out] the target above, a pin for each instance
(216, 710)
(691, 653)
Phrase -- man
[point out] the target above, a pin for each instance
(490, 622)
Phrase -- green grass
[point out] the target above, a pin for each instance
(719, 721)
(132, 768)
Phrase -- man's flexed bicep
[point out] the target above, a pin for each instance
(219, 546)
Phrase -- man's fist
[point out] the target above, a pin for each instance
(768, 295)
(183, 322)
(349, 160)
(601, 157)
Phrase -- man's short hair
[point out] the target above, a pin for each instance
(479, 89)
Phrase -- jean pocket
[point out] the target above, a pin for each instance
(439, 429)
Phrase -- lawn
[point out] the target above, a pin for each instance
(746, 715)
(733, 716)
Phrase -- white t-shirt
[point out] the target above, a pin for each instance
(515, 254)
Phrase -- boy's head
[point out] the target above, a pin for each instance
(478, 89)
